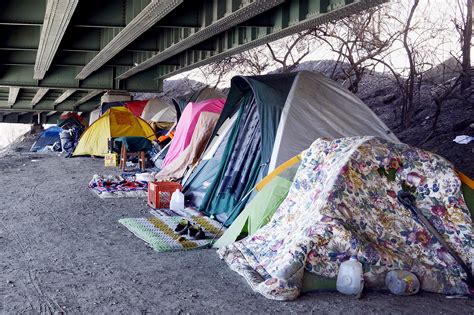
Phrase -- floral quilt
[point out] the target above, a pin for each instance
(343, 201)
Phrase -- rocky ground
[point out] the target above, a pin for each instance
(62, 250)
(381, 94)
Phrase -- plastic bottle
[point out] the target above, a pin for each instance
(401, 282)
(350, 279)
(177, 201)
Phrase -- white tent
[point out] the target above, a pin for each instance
(319, 107)
(159, 110)
(94, 115)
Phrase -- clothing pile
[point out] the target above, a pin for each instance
(114, 186)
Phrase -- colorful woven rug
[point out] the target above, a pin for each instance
(159, 232)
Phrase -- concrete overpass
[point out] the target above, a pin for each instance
(60, 55)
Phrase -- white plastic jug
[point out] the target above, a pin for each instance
(401, 282)
(177, 201)
(350, 279)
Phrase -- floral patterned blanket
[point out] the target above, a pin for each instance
(343, 202)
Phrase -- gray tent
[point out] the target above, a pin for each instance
(278, 116)
(203, 94)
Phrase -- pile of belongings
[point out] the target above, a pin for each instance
(115, 186)
(73, 125)
(48, 140)
(343, 201)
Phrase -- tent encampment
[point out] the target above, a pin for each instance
(187, 124)
(342, 202)
(278, 116)
(116, 122)
(47, 138)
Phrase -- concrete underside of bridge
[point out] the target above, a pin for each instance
(60, 55)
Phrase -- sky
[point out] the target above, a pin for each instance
(10, 132)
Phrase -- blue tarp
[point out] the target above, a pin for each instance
(46, 138)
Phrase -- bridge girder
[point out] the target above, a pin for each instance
(133, 44)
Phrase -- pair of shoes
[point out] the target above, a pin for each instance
(193, 230)
(183, 227)
(196, 232)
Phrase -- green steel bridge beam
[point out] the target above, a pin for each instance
(57, 17)
(93, 46)
(152, 13)
(292, 17)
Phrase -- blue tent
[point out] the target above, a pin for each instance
(46, 138)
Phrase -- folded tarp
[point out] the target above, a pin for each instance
(343, 202)
(187, 124)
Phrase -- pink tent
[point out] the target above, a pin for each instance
(187, 124)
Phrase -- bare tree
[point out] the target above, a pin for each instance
(463, 24)
(409, 91)
(357, 40)
(286, 53)
(290, 52)
(418, 41)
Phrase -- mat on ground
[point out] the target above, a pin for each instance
(158, 232)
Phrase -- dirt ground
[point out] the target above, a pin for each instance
(62, 250)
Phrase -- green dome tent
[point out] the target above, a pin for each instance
(277, 117)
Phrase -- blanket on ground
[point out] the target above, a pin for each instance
(343, 202)
(115, 186)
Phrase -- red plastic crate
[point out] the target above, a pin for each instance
(159, 194)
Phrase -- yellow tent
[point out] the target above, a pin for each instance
(116, 122)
